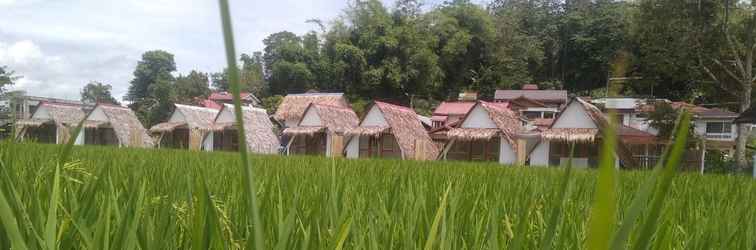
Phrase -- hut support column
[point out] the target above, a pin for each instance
(447, 148)
(521, 151)
(288, 145)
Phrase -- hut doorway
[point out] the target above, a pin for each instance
(177, 139)
(586, 154)
(475, 150)
(384, 146)
(226, 140)
(45, 133)
(314, 144)
(100, 136)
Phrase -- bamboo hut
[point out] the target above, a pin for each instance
(582, 124)
(292, 108)
(487, 133)
(258, 129)
(51, 123)
(321, 130)
(391, 131)
(115, 125)
(186, 128)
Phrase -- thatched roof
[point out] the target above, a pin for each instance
(372, 131)
(581, 135)
(293, 106)
(507, 122)
(124, 123)
(470, 134)
(194, 118)
(306, 130)
(406, 128)
(257, 127)
(570, 134)
(60, 114)
(333, 118)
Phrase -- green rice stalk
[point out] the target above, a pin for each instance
(437, 220)
(648, 228)
(602, 216)
(564, 188)
(640, 200)
(233, 77)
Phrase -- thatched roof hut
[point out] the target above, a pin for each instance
(185, 116)
(258, 128)
(506, 122)
(581, 122)
(64, 117)
(124, 123)
(186, 128)
(403, 124)
(318, 117)
(293, 106)
(62, 114)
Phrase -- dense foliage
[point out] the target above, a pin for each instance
(155, 199)
(97, 92)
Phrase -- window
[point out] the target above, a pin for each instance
(719, 130)
(532, 114)
(548, 115)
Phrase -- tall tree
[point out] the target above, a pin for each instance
(192, 86)
(732, 67)
(151, 90)
(7, 78)
(97, 92)
(252, 77)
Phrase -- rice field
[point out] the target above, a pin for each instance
(111, 198)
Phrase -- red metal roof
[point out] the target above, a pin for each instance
(453, 108)
(632, 135)
(210, 104)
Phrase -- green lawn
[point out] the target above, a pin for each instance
(155, 199)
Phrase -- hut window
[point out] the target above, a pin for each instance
(487, 150)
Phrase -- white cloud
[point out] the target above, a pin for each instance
(58, 46)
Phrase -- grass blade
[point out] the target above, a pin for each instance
(437, 220)
(9, 222)
(640, 200)
(675, 157)
(343, 233)
(556, 214)
(602, 216)
(233, 77)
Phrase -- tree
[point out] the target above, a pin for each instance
(151, 90)
(271, 103)
(7, 78)
(97, 92)
(733, 66)
(252, 77)
(192, 86)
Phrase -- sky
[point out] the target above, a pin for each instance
(58, 46)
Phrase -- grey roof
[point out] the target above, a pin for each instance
(538, 95)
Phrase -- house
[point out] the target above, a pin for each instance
(537, 103)
(390, 131)
(228, 98)
(258, 128)
(115, 125)
(716, 126)
(581, 123)
(51, 123)
(321, 130)
(292, 107)
(186, 128)
(487, 133)
(448, 113)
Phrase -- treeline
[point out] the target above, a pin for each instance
(419, 55)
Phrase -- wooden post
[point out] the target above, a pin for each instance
(288, 145)
(135, 138)
(420, 150)
(447, 148)
(521, 151)
(337, 145)
(195, 139)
